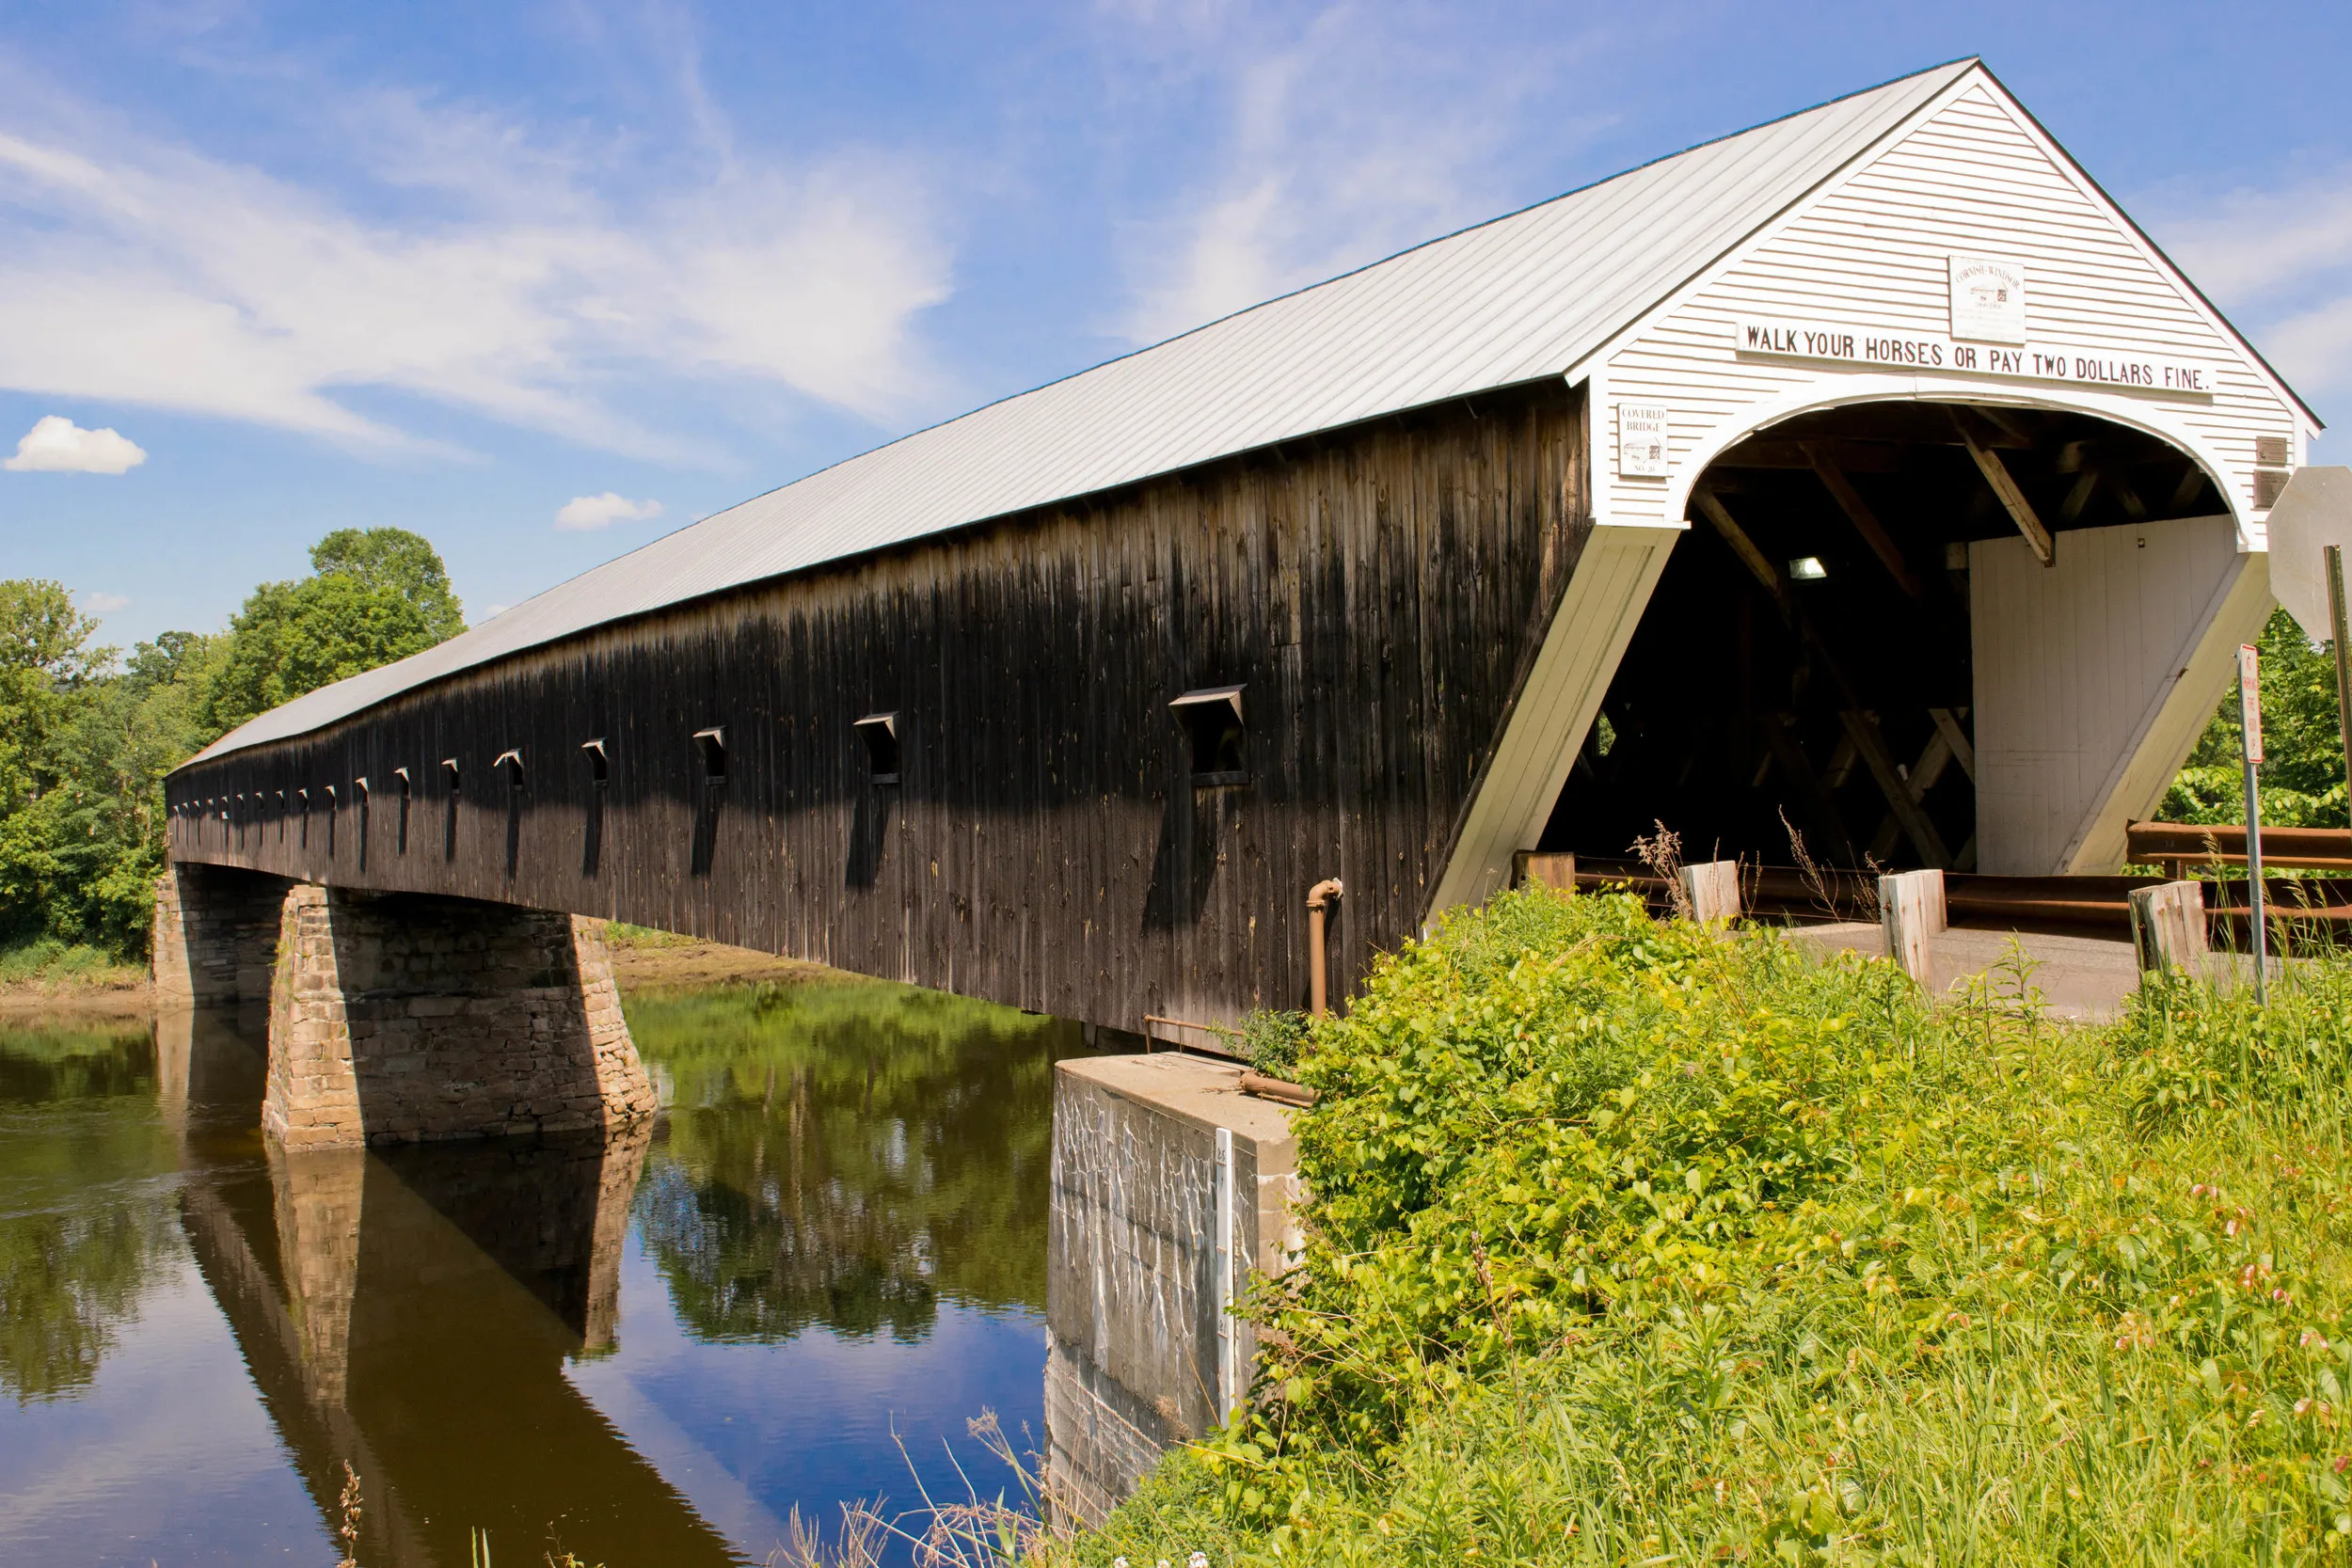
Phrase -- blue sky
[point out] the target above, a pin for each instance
(475, 269)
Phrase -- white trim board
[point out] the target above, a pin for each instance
(1615, 574)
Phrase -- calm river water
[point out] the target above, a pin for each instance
(792, 1291)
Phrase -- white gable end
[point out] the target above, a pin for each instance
(1971, 177)
(1870, 250)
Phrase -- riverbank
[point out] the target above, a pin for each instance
(1631, 1244)
(52, 980)
(649, 960)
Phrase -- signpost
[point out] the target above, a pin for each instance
(2344, 662)
(2249, 729)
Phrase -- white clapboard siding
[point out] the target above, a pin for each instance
(1871, 249)
(2093, 678)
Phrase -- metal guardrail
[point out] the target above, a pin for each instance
(2173, 844)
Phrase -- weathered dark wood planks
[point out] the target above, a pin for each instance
(1379, 592)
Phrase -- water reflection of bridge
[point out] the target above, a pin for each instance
(411, 1314)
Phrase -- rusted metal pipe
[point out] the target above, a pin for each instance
(1318, 983)
(1281, 1090)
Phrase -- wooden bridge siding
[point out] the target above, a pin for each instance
(1380, 592)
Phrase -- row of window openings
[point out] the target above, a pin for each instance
(1212, 718)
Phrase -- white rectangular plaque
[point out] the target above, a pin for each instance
(1988, 299)
(1641, 440)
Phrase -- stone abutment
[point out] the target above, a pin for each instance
(401, 1018)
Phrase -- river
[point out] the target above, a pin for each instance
(792, 1291)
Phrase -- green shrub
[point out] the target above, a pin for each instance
(1271, 1041)
(1627, 1243)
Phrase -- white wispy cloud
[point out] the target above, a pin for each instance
(2280, 262)
(473, 267)
(1342, 139)
(106, 604)
(56, 445)
(586, 514)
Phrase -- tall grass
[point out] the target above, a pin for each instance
(46, 960)
(1633, 1245)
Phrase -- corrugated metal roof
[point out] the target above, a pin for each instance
(1509, 301)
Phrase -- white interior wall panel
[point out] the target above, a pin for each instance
(2093, 678)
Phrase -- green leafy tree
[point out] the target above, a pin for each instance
(378, 596)
(2302, 775)
(46, 666)
(81, 785)
(48, 671)
(394, 560)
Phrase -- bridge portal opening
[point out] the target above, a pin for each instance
(1806, 663)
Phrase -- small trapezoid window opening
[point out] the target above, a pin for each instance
(710, 749)
(452, 782)
(880, 733)
(406, 789)
(1216, 743)
(510, 762)
(361, 796)
(600, 781)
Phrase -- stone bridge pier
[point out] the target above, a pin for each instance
(404, 1018)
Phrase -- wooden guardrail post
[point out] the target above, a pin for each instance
(1554, 871)
(2169, 928)
(1911, 906)
(1712, 891)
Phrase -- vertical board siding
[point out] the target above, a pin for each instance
(1379, 591)
(2072, 665)
(1871, 250)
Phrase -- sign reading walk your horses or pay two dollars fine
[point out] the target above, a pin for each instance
(1878, 348)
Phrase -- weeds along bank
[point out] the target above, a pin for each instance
(1631, 1244)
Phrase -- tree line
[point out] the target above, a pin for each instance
(87, 732)
(2302, 774)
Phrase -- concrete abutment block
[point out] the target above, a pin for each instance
(1171, 1188)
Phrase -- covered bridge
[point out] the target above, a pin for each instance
(1869, 471)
